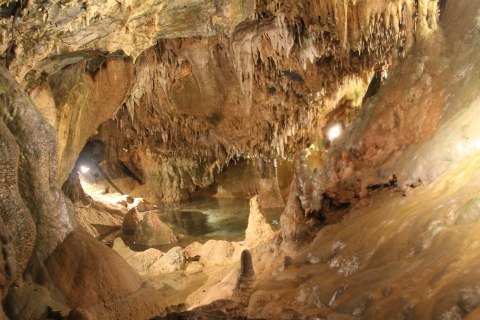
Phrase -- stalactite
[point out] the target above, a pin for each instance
(258, 55)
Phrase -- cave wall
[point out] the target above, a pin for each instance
(417, 126)
(248, 81)
(38, 215)
(398, 125)
(246, 178)
(218, 81)
(79, 97)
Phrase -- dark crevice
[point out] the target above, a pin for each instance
(292, 75)
(413, 185)
(441, 6)
(391, 184)
(14, 12)
(374, 86)
(94, 65)
(130, 173)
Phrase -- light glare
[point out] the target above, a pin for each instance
(334, 132)
(84, 169)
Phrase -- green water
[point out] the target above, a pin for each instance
(213, 218)
(210, 218)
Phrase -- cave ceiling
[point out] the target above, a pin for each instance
(201, 82)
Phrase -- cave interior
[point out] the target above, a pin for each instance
(240, 159)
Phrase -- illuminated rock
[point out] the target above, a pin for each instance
(258, 231)
(152, 231)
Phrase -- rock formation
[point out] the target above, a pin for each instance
(57, 244)
(19, 223)
(113, 280)
(8, 264)
(360, 117)
(73, 94)
(293, 219)
(216, 252)
(131, 221)
(140, 261)
(152, 231)
(258, 230)
(180, 123)
(246, 270)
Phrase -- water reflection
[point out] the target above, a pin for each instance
(209, 218)
(194, 223)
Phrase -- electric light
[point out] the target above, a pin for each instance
(84, 169)
(334, 132)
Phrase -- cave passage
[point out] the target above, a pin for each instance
(240, 159)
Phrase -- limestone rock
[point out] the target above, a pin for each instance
(468, 299)
(114, 290)
(80, 314)
(258, 230)
(170, 262)
(98, 220)
(78, 249)
(8, 264)
(20, 299)
(269, 194)
(238, 181)
(144, 205)
(193, 121)
(78, 114)
(218, 252)
(245, 279)
(193, 267)
(264, 60)
(104, 26)
(293, 222)
(217, 310)
(140, 261)
(63, 259)
(52, 212)
(131, 221)
(152, 231)
(17, 230)
(193, 249)
(246, 265)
